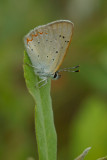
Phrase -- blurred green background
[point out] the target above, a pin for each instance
(79, 99)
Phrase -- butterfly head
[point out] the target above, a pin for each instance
(56, 76)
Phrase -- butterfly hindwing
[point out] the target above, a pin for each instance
(47, 45)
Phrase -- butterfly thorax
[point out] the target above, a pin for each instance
(47, 75)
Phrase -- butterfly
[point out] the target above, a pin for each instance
(47, 46)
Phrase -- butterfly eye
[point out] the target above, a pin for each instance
(56, 76)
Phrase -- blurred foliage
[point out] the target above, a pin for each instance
(79, 99)
(89, 128)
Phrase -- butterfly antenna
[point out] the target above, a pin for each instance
(69, 69)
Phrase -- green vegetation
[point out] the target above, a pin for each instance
(79, 100)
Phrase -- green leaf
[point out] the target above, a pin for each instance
(82, 156)
(104, 158)
(44, 123)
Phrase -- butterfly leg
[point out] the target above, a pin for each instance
(30, 65)
(41, 84)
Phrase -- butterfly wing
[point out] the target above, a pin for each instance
(47, 45)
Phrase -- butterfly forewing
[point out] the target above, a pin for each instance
(47, 45)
